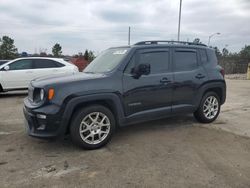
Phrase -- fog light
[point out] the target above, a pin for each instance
(41, 116)
(41, 127)
(41, 120)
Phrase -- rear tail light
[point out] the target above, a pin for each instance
(222, 71)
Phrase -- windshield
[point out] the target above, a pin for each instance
(106, 61)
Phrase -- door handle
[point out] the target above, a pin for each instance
(165, 80)
(199, 76)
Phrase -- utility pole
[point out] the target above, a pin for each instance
(179, 25)
(129, 35)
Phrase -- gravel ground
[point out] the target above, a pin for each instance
(236, 76)
(174, 152)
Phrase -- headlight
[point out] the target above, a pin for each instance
(41, 94)
(38, 95)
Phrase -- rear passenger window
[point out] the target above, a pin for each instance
(185, 60)
(158, 60)
(46, 63)
(204, 58)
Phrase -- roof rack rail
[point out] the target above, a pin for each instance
(168, 42)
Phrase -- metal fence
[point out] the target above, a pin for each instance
(234, 66)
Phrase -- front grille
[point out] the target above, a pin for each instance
(30, 93)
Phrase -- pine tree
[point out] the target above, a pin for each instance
(7, 48)
(57, 50)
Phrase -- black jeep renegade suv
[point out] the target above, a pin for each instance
(125, 85)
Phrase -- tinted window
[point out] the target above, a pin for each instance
(203, 56)
(158, 60)
(185, 60)
(46, 63)
(21, 64)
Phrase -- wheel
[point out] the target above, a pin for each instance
(92, 127)
(209, 108)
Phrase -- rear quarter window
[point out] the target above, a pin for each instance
(47, 63)
(203, 54)
(212, 59)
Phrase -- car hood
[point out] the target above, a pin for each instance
(63, 79)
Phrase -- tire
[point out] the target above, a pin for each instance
(92, 127)
(209, 108)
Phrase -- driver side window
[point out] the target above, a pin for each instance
(21, 64)
(158, 60)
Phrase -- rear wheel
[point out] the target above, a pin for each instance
(92, 127)
(209, 108)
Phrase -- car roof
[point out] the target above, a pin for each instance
(51, 58)
(166, 44)
(60, 60)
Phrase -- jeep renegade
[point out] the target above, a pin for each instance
(126, 85)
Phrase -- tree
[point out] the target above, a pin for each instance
(217, 52)
(80, 54)
(86, 55)
(91, 56)
(225, 52)
(57, 50)
(245, 52)
(197, 41)
(7, 48)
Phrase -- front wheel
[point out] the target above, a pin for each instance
(92, 127)
(209, 108)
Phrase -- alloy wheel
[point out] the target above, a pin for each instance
(94, 128)
(210, 107)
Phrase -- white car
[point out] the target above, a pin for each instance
(18, 73)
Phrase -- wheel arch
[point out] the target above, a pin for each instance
(110, 101)
(219, 87)
(216, 90)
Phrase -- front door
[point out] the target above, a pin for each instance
(151, 92)
(19, 75)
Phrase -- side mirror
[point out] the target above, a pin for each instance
(142, 69)
(6, 68)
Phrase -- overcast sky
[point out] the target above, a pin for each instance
(99, 24)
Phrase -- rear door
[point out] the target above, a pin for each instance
(149, 92)
(189, 75)
(19, 74)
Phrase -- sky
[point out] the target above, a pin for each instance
(99, 24)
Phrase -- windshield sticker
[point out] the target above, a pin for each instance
(120, 52)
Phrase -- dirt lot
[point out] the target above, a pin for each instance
(175, 152)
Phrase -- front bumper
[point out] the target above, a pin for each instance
(44, 122)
